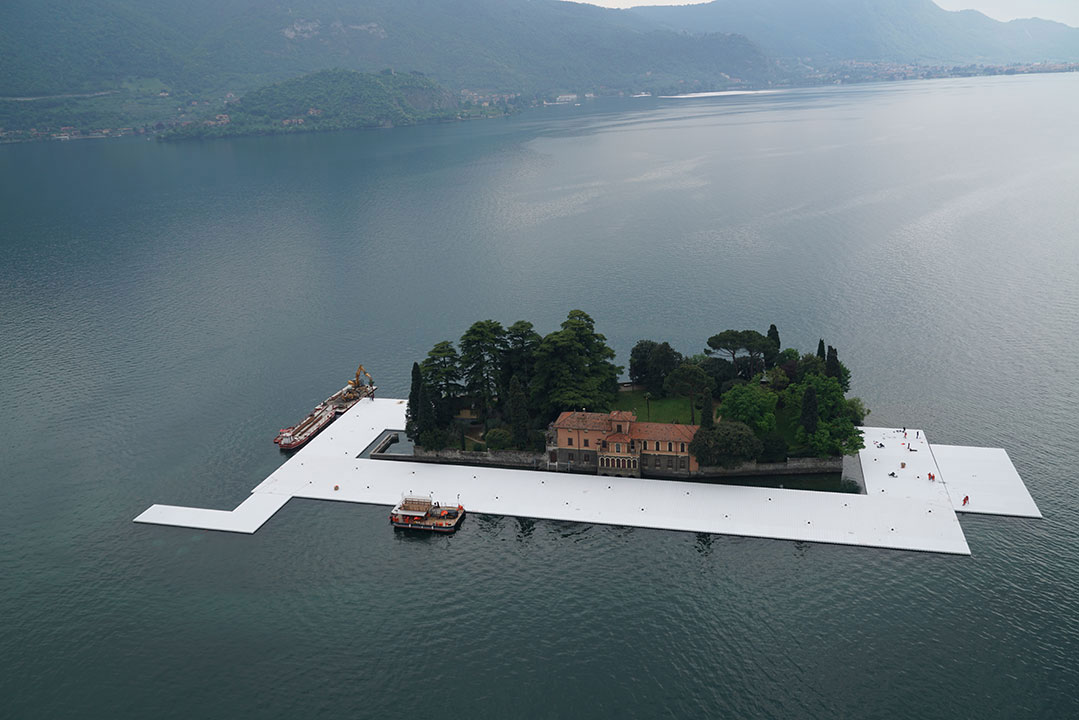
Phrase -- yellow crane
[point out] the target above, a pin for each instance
(355, 384)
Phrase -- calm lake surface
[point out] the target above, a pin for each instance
(164, 309)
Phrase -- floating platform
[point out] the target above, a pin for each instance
(906, 512)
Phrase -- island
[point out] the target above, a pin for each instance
(743, 406)
(909, 496)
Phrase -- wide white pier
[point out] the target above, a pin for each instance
(908, 512)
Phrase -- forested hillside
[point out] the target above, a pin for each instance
(51, 47)
(330, 100)
(914, 31)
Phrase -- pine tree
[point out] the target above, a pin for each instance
(574, 369)
(518, 414)
(820, 349)
(482, 347)
(441, 375)
(518, 357)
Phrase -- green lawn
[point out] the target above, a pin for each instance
(665, 410)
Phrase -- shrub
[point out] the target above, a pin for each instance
(499, 439)
(728, 445)
(775, 448)
(433, 439)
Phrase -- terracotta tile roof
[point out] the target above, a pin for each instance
(617, 437)
(593, 421)
(664, 432)
(582, 421)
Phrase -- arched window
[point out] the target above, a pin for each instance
(670, 447)
(681, 447)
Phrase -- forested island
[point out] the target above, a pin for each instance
(335, 100)
(501, 388)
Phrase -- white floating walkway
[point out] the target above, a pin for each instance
(900, 513)
(988, 478)
(248, 516)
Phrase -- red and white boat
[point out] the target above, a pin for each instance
(418, 512)
(294, 437)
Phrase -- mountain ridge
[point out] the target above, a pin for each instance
(908, 31)
(531, 46)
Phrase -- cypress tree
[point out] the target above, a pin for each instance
(425, 417)
(831, 364)
(708, 413)
(773, 335)
(810, 413)
(820, 349)
(412, 411)
(772, 353)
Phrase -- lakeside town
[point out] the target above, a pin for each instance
(213, 111)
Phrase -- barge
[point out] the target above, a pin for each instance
(292, 438)
(422, 513)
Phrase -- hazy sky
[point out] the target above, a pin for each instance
(1065, 11)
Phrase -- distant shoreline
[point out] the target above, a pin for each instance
(717, 93)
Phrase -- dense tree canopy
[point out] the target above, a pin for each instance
(726, 444)
(752, 343)
(750, 404)
(650, 363)
(690, 381)
(519, 355)
(574, 369)
(482, 348)
(835, 431)
(520, 381)
(638, 361)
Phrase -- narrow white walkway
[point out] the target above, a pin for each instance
(906, 512)
(248, 516)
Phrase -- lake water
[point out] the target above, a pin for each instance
(164, 309)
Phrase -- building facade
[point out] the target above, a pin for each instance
(616, 443)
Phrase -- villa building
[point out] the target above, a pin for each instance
(615, 443)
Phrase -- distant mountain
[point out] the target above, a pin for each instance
(909, 31)
(58, 46)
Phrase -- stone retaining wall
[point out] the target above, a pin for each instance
(793, 466)
(503, 458)
(523, 459)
